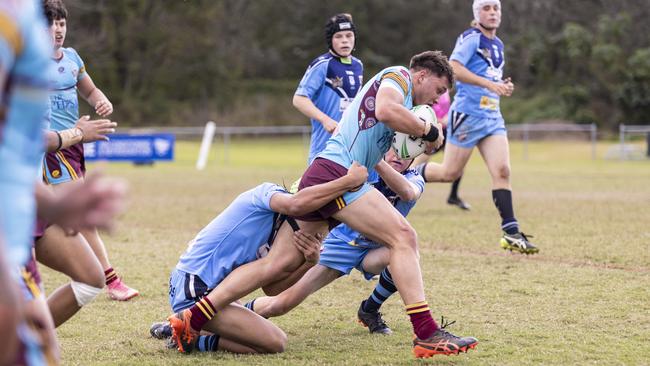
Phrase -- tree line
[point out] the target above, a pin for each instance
(238, 62)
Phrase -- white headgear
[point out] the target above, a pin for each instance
(478, 4)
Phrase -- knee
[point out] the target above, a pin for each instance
(277, 343)
(503, 172)
(452, 174)
(405, 238)
(83, 293)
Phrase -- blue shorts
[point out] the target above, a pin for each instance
(185, 289)
(467, 131)
(339, 255)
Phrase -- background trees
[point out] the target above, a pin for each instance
(238, 61)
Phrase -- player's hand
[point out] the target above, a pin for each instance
(95, 129)
(308, 245)
(432, 146)
(104, 108)
(358, 173)
(329, 125)
(500, 89)
(90, 203)
(510, 86)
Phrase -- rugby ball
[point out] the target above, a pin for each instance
(408, 147)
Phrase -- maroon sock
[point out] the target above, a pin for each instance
(110, 275)
(202, 312)
(423, 324)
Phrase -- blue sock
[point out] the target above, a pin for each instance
(250, 305)
(207, 343)
(382, 291)
(503, 200)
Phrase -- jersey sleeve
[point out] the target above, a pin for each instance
(80, 63)
(10, 42)
(416, 179)
(396, 79)
(465, 48)
(263, 193)
(313, 80)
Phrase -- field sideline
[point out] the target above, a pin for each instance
(585, 299)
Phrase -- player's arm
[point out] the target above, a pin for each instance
(391, 111)
(10, 311)
(397, 182)
(466, 76)
(94, 96)
(309, 109)
(86, 130)
(315, 197)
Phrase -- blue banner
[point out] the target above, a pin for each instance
(136, 148)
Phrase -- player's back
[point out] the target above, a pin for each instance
(484, 57)
(233, 238)
(361, 137)
(23, 100)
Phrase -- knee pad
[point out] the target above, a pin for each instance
(84, 293)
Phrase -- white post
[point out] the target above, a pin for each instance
(208, 135)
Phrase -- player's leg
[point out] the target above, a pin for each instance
(71, 256)
(61, 168)
(496, 154)
(386, 225)
(453, 163)
(283, 259)
(316, 278)
(454, 199)
(376, 262)
(117, 289)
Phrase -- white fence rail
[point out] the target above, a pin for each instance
(527, 128)
(624, 130)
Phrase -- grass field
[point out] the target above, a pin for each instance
(585, 299)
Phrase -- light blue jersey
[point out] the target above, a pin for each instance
(484, 57)
(24, 52)
(65, 73)
(330, 83)
(237, 236)
(361, 137)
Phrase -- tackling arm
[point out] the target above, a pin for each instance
(315, 197)
(396, 181)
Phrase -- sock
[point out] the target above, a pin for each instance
(110, 275)
(382, 291)
(202, 312)
(250, 305)
(423, 324)
(207, 343)
(503, 201)
(454, 188)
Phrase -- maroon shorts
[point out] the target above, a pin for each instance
(323, 171)
(64, 165)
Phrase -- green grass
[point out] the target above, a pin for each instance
(585, 299)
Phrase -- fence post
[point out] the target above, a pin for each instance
(647, 139)
(621, 134)
(594, 134)
(204, 151)
(526, 137)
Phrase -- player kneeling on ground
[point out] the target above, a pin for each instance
(244, 235)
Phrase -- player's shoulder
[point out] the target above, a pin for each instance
(356, 61)
(323, 59)
(399, 75)
(70, 52)
(470, 32)
(412, 174)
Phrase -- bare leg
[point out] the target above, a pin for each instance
(496, 154)
(316, 278)
(282, 260)
(376, 260)
(452, 166)
(243, 331)
(98, 247)
(72, 256)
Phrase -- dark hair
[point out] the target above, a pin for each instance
(54, 9)
(434, 61)
(333, 25)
